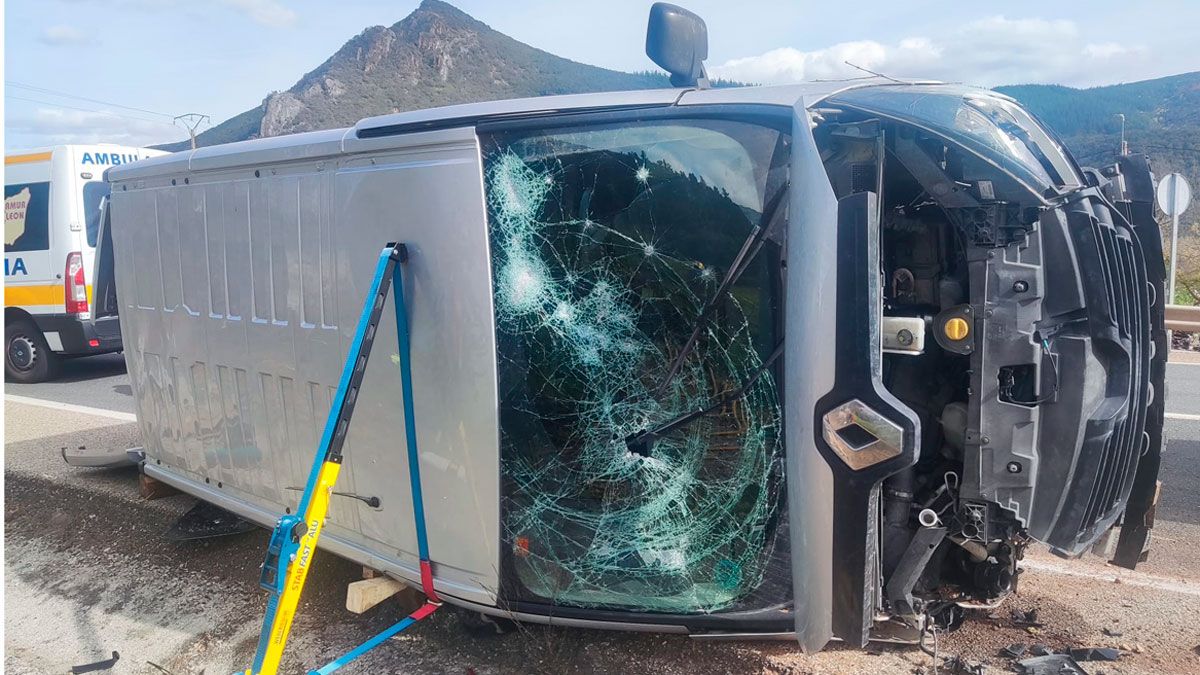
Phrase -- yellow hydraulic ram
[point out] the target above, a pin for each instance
(294, 540)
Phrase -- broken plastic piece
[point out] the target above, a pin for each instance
(1026, 618)
(1050, 664)
(957, 665)
(1095, 654)
(97, 666)
(1015, 651)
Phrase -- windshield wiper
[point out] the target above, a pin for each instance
(750, 248)
(641, 443)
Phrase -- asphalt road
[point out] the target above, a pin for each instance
(95, 381)
(1183, 388)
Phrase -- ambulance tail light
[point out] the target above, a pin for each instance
(75, 286)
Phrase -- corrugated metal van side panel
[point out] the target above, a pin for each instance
(245, 291)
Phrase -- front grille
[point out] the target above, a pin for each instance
(1119, 315)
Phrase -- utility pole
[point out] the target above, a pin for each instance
(191, 122)
(1124, 150)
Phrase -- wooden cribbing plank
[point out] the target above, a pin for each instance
(365, 594)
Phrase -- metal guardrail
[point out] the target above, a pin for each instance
(1183, 318)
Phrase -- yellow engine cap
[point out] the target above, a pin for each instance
(956, 328)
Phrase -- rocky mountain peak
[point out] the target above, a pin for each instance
(438, 55)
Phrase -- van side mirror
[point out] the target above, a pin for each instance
(677, 41)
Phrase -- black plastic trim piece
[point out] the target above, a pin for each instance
(858, 376)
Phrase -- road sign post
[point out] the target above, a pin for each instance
(1174, 194)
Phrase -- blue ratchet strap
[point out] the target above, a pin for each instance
(432, 601)
(326, 438)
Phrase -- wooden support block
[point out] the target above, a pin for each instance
(152, 488)
(365, 594)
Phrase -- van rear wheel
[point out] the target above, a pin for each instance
(27, 357)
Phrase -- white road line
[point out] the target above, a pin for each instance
(1182, 416)
(1126, 577)
(71, 407)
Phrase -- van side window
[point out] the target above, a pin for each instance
(93, 192)
(26, 217)
(610, 246)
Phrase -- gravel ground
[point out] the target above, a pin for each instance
(88, 572)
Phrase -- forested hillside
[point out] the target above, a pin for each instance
(1162, 119)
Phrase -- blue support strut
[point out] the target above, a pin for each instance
(327, 441)
(432, 601)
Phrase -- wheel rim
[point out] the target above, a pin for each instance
(22, 353)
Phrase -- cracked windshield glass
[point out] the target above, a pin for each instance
(636, 272)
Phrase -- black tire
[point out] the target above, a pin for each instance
(479, 625)
(27, 357)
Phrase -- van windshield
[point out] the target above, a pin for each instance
(625, 304)
(93, 193)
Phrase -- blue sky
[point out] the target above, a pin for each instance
(221, 57)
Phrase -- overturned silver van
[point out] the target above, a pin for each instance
(817, 360)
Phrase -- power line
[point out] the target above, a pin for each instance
(91, 110)
(64, 94)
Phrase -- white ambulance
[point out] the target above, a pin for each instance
(52, 199)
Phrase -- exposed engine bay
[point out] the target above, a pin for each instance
(1016, 324)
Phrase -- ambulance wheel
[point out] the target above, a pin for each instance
(27, 357)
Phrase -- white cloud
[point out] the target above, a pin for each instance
(270, 13)
(63, 35)
(990, 51)
(52, 126)
(1110, 50)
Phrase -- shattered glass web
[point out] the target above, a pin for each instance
(598, 283)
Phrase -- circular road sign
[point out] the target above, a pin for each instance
(1174, 194)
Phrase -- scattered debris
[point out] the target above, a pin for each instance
(1015, 651)
(98, 665)
(1095, 653)
(1111, 632)
(957, 665)
(1025, 618)
(1050, 664)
